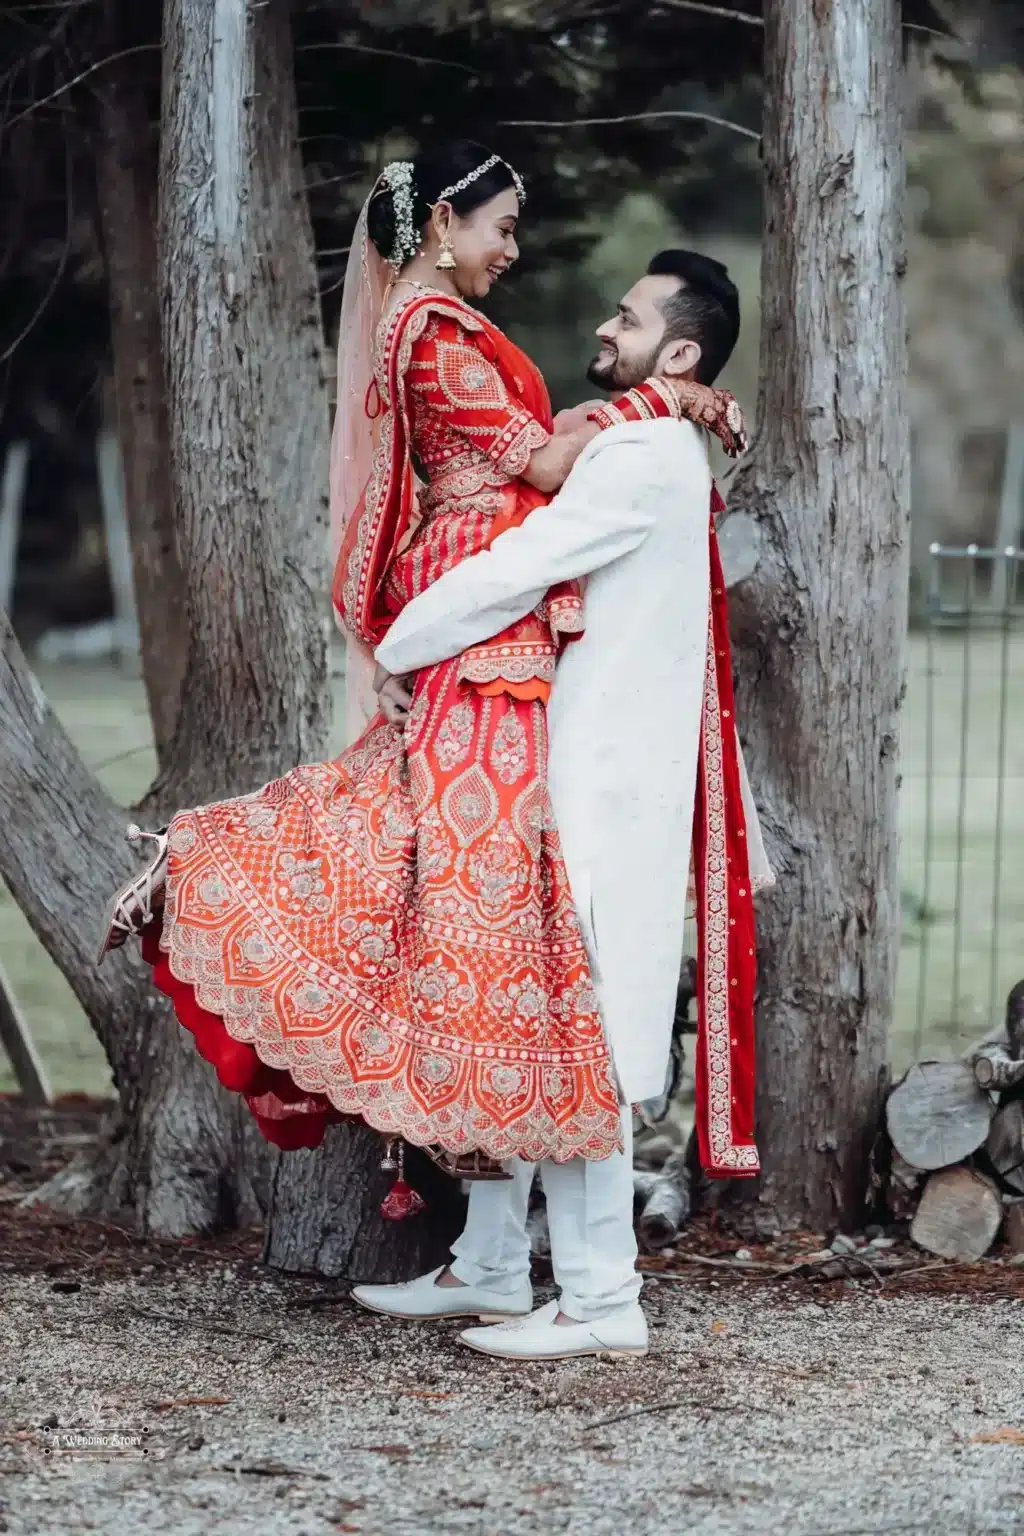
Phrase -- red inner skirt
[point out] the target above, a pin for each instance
(286, 1114)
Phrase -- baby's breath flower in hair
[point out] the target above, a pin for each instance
(397, 177)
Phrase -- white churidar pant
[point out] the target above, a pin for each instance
(590, 1220)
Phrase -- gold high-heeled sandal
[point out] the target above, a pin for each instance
(474, 1167)
(132, 907)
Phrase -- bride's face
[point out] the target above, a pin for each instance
(484, 243)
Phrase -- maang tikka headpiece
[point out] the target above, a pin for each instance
(481, 170)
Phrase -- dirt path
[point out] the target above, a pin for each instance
(771, 1402)
(793, 1415)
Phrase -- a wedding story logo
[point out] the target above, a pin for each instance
(95, 1426)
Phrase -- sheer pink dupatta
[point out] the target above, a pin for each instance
(352, 442)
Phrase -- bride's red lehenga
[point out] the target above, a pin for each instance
(391, 935)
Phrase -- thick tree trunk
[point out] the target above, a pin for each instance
(819, 626)
(247, 400)
(127, 185)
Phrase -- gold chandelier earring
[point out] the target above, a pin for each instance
(446, 256)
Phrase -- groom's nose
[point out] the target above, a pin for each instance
(607, 331)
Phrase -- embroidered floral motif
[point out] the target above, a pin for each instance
(309, 998)
(302, 888)
(371, 946)
(440, 988)
(214, 891)
(261, 820)
(506, 1082)
(183, 836)
(470, 805)
(509, 749)
(257, 949)
(434, 846)
(499, 872)
(456, 735)
(522, 1000)
(466, 379)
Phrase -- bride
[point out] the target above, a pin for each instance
(391, 935)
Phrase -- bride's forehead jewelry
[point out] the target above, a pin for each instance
(481, 170)
(397, 177)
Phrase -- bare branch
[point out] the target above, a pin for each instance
(724, 11)
(387, 53)
(61, 267)
(634, 117)
(68, 85)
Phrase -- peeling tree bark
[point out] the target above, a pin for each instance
(819, 626)
(247, 400)
(127, 186)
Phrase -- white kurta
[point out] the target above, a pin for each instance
(625, 710)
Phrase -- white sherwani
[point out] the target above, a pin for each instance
(625, 710)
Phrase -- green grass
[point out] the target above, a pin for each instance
(106, 716)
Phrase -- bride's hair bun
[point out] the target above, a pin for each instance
(431, 172)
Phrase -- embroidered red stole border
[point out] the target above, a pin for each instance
(726, 932)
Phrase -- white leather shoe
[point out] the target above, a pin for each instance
(538, 1337)
(424, 1299)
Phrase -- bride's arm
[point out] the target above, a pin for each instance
(450, 373)
(548, 468)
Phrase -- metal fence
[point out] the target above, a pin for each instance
(962, 800)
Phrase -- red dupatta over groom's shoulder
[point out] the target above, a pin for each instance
(726, 943)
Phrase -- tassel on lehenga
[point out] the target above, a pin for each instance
(401, 1200)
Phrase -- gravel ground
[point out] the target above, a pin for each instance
(760, 1409)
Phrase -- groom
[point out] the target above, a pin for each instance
(635, 749)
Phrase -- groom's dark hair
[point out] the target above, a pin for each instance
(705, 308)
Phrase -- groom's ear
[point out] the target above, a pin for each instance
(679, 358)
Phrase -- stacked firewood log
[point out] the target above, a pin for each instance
(956, 1130)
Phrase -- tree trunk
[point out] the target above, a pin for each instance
(249, 447)
(325, 1212)
(247, 400)
(127, 187)
(820, 624)
(172, 1162)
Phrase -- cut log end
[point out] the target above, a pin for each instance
(995, 1069)
(938, 1115)
(959, 1214)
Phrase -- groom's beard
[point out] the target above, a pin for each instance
(611, 371)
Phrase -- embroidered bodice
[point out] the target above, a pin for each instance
(470, 442)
